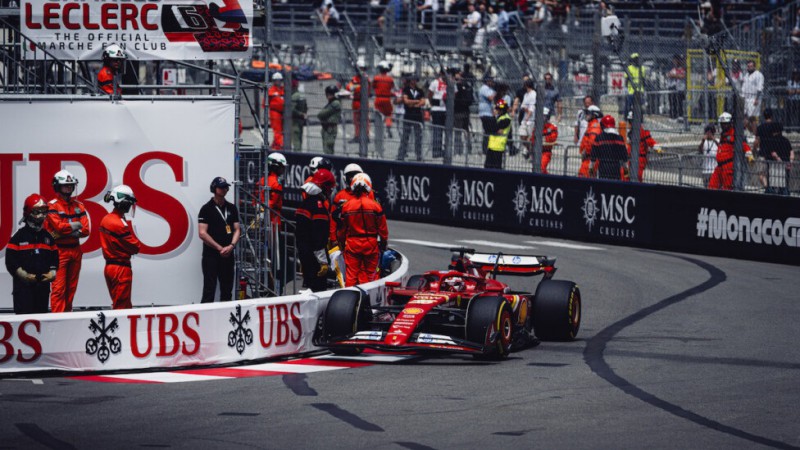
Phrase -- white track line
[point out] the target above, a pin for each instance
(565, 245)
(496, 244)
(369, 358)
(166, 377)
(425, 243)
(289, 368)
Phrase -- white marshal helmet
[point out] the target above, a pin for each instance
(122, 197)
(384, 65)
(545, 111)
(63, 177)
(353, 168)
(361, 180)
(113, 51)
(277, 76)
(277, 159)
(725, 118)
(318, 162)
(595, 111)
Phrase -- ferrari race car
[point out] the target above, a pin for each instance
(464, 309)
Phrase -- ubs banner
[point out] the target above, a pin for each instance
(591, 210)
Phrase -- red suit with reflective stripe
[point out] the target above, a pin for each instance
(592, 131)
(646, 142)
(722, 177)
(119, 244)
(34, 252)
(384, 84)
(275, 196)
(550, 135)
(105, 80)
(362, 223)
(276, 102)
(60, 215)
(355, 88)
(311, 235)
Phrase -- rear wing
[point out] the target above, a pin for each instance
(525, 265)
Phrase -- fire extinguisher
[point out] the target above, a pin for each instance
(242, 288)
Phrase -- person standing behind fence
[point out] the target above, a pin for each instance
(593, 129)
(218, 228)
(465, 97)
(299, 116)
(276, 104)
(486, 99)
(355, 87)
(609, 152)
(634, 79)
(383, 83)
(752, 90)
(67, 222)
(766, 135)
(413, 99)
(365, 232)
(119, 244)
(276, 166)
(527, 110)
(312, 229)
(32, 259)
(676, 83)
(722, 177)
(581, 122)
(113, 58)
(708, 149)
(793, 98)
(646, 143)
(782, 153)
(550, 135)
(552, 97)
(499, 137)
(329, 118)
(437, 96)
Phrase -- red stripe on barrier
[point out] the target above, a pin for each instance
(112, 379)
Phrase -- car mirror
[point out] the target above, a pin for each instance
(392, 284)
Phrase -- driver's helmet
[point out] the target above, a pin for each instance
(454, 284)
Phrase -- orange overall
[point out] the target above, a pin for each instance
(119, 244)
(60, 215)
(646, 142)
(550, 135)
(362, 223)
(722, 177)
(105, 80)
(276, 102)
(275, 197)
(592, 131)
(383, 85)
(355, 88)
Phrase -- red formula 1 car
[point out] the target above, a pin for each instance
(464, 309)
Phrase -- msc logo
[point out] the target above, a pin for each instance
(612, 208)
(392, 190)
(470, 193)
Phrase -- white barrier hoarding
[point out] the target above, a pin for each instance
(166, 151)
(173, 29)
(172, 336)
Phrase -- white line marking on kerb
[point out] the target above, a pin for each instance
(565, 245)
(497, 244)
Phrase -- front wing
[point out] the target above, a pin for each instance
(417, 342)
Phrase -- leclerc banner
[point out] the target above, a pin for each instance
(166, 151)
(163, 29)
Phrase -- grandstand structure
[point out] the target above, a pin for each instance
(289, 36)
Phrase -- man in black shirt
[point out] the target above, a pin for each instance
(413, 99)
(766, 140)
(312, 219)
(465, 97)
(218, 226)
(610, 150)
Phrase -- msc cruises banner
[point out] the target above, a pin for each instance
(641, 215)
(146, 30)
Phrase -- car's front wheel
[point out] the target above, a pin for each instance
(342, 318)
(490, 323)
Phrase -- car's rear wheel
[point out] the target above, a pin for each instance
(490, 323)
(557, 310)
(342, 318)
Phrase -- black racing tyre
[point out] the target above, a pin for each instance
(342, 318)
(416, 282)
(490, 318)
(557, 310)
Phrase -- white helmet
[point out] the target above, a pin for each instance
(318, 162)
(277, 159)
(361, 180)
(595, 111)
(546, 111)
(352, 168)
(113, 51)
(725, 118)
(122, 197)
(384, 65)
(64, 177)
(277, 76)
(361, 63)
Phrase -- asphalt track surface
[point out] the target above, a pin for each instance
(675, 351)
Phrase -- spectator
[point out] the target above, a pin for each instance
(609, 153)
(552, 97)
(32, 259)
(676, 83)
(782, 153)
(218, 228)
(276, 103)
(465, 97)
(365, 231)
(437, 96)
(113, 59)
(329, 14)
(581, 121)
(486, 99)
(119, 244)
(413, 100)
(708, 150)
(426, 11)
(471, 25)
(634, 79)
(763, 146)
(329, 118)
(499, 137)
(67, 222)
(527, 110)
(752, 90)
(793, 99)
(299, 116)
(313, 229)
(541, 15)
